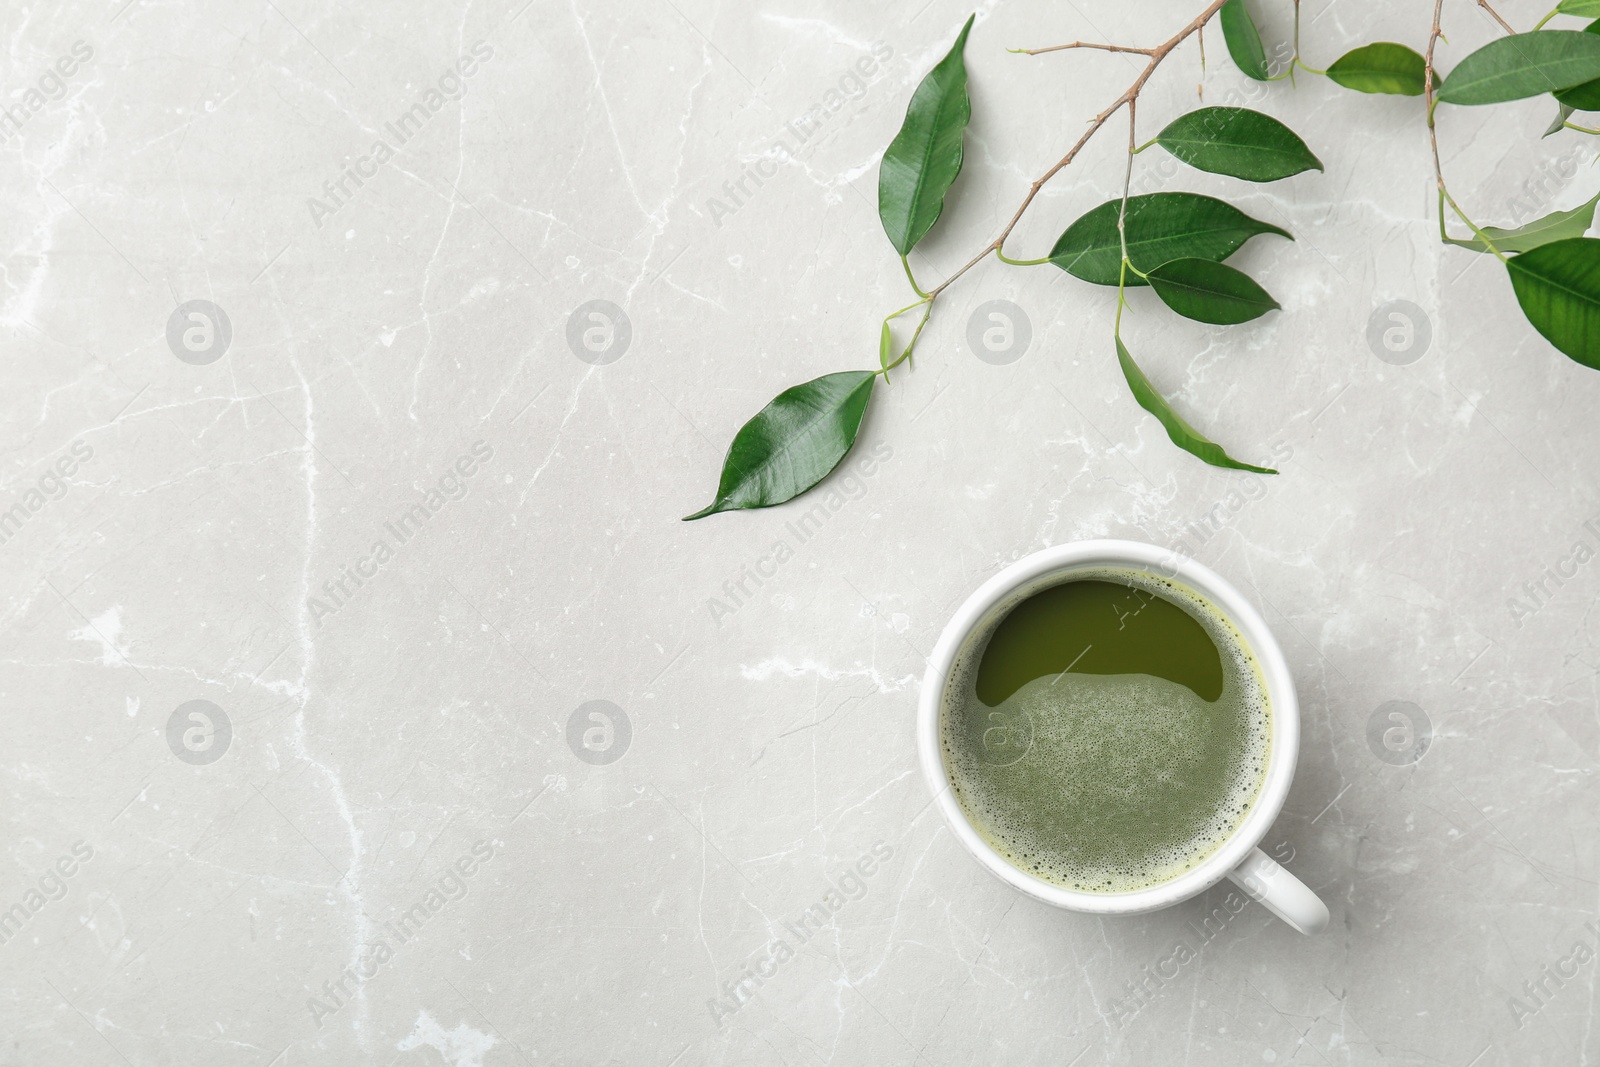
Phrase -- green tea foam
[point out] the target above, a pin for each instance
(1107, 757)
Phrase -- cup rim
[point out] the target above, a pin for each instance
(1282, 705)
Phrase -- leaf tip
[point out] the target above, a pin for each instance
(709, 509)
(961, 38)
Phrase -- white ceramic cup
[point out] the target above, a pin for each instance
(1239, 858)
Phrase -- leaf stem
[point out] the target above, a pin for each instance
(1433, 134)
(1295, 60)
(896, 314)
(1122, 302)
(1553, 13)
(1122, 236)
(888, 337)
(1127, 183)
(1427, 89)
(1462, 215)
(1020, 262)
(906, 263)
(1444, 235)
(902, 357)
(1122, 228)
(1580, 129)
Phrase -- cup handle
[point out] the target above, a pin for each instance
(1264, 880)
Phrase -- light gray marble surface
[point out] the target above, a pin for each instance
(401, 763)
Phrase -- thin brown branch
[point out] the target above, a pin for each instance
(1082, 44)
(1433, 133)
(1427, 89)
(1156, 54)
(1496, 16)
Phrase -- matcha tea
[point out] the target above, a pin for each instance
(1108, 732)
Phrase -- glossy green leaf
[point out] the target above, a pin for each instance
(1581, 8)
(1161, 226)
(1556, 226)
(1237, 142)
(1244, 40)
(1210, 292)
(1563, 113)
(1558, 286)
(1523, 65)
(1183, 435)
(1585, 97)
(1382, 67)
(792, 443)
(925, 156)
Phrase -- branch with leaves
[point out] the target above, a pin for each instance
(1554, 269)
(1175, 243)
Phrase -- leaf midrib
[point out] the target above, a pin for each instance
(939, 119)
(1589, 298)
(1166, 237)
(1190, 287)
(1296, 153)
(1394, 71)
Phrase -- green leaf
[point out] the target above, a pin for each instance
(1161, 226)
(925, 156)
(1556, 226)
(1585, 97)
(1244, 40)
(1237, 142)
(1183, 435)
(1523, 65)
(1210, 292)
(1563, 113)
(1383, 67)
(885, 349)
(792, 443)
(1558, 286)
(1582, 8)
